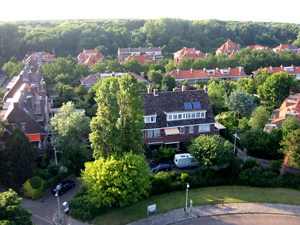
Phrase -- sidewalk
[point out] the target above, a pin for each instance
(230, 208)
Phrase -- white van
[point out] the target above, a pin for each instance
(185, 160)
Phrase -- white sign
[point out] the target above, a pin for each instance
(151, 208)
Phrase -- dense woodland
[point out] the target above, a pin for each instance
(70, 37)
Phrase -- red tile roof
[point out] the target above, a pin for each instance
(189, 74)
(288, 109)
(186, 50)
(283, 47)
(90, 57)
(141, 59)
(257, 47)
(288, 69)
(91, 60)
(227, 47)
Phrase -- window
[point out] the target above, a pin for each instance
(13, 125)
(204, 128)
(182, 130)
(191, 129)
(149, 119)
(203, 115)
(23, 126)
(188, 106)
(153, 133)
(196, 105)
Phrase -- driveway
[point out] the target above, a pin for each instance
(45, 208)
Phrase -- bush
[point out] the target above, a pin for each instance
(276, 165)
(82, 209)
(161, 183)
(184, 177)
(53, 169)
(250, 163)
(44, 174)
(167, 153)
(34, 187)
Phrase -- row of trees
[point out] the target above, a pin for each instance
(69, 37)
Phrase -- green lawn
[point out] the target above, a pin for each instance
(200, 196)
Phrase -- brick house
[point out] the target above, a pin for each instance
(141, 59)
(194, 76)
(286, 47)
(90, 57)
(173, 117)
(294, 71)
(228, 48)
(187, 52)
(154, 52)
(25, 105)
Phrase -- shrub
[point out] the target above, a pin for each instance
(34, 187)
(44, 174)
(184, 177)
(167, 153)
(161, 183)
(53, 169)
(250, 163)
(276, 165)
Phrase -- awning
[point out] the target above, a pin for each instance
(170, 131)
(220, 126)
(34, 137)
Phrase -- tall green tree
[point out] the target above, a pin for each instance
(240, 102)
(169, 81)
(216, 96)
(260, 117)
(290, 147)
(117, 127)
(290, 124)
(211, 150)
(120, 180)
(11, 211)
(18, 160)
(277, 86)
(133, 65)
(67, 128)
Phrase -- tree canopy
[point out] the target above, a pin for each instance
(117, 127)
(120, 179)
(211, 150)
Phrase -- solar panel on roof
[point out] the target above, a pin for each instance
(197, 105)
(188, 106)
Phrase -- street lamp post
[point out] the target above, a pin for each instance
(55, 155)
(58, 207)
(187, 193)
(235, 137)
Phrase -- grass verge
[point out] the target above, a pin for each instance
(200, 196)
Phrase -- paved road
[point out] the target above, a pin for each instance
(245, 219)
(45, 208)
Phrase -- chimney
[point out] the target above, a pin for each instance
(217, 69)
(271, 68)
(281, 66)
(238, 46)
(155, 92)
(43, 93)
(149, 89)
(32, 89)
(142, 74)
(183, 88)
(229, 68)
(44, 85)
(30, 102)
(204, 69)
(178, 71)
(113, 74)
(191, 70)
(30, 76)
(42, 104)
(205, 88)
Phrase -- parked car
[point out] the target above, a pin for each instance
(62, 187)
(161, 166)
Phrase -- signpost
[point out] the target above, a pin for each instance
(151, 208)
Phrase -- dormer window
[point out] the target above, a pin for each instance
(224, 71)
(45, 57)
(210, 72)
(150, 119)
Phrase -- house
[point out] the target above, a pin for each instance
(228, 48)
(37, 58)
(286, 47)
(257, 47)
(173, 117)
(141, 59)
(294, 71)
(25, 105)
(92, 79)
(187, 52)
(90, 57)
(154, 52)
(290, 107)
(194, 76)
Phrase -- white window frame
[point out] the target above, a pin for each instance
(150, 119)
(23, 126)
(191, 129)
(153, 133)
(186, 115)
(204, 128)
(182, 130)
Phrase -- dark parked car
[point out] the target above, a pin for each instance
(62, 187)
(161, 166)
